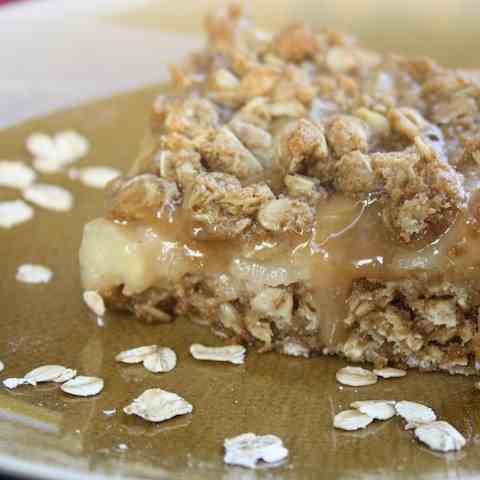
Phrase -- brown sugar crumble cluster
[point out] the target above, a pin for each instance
(322, 197)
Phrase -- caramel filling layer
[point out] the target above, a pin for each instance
(349, 242)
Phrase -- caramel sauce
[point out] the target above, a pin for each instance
(349, 241)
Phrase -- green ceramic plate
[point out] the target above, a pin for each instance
(67, 56)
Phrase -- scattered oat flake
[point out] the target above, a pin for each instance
(12, 383)
(49, 373)
(71, 145)
(2, 366)
(440, 436)
(52, 153)
(136, 355)
(356, 377)
(163, 360)
(376, 409)
(157, 405)
(82, 386)
(30, 273)
(67, 374)
(94, 302)
(414, 413)
(47, 165)
(233, 353)
(48, 196)
(15, 174)
(389, 372)
(96, 177)
(351, 420)
(40, 145)
(14, 213)
(248, 449)
(111, 412)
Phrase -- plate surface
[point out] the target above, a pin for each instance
(46, 434)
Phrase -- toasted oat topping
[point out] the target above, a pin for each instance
(440, 436)
(14, 213)
(94, 302)
(351, 420)
(50, 197)
(82, 386)
(157, 405)
(308, 110)
(15, 174)
(356, 377)
(248, 449)
(376, 409)
(233, 353)
(29, 273)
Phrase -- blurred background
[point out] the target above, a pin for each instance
(55, 53)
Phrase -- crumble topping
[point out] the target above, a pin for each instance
(310, 112)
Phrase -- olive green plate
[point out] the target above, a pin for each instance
(46, 434)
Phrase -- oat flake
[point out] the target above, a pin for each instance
(376, 409)
(14, 213)
(351, 420)
(82, 386)
(15, 174)
(97, 177)
(389, 372)
(2, 366)
(414, 413)
(30, 273)
(157, 405)
(52, 153)
(356, 377)
(136, 355)
(248, 449)
(233, 353)
(47, 165)
(50, 197)
(163, 360)
(12, 383)
(49, 373)
(94, 302)
(440, 436)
